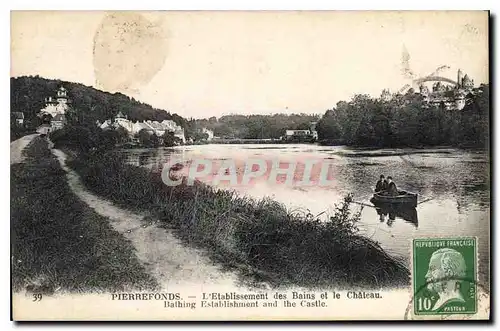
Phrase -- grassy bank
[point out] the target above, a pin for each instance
(16, 132)
(58, 242)
(277, 246)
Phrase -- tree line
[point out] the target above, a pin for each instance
(403, 120)
(407, 120)
(257, 126)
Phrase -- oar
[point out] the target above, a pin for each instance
(357, 202)
(425, 200)
(364, 204)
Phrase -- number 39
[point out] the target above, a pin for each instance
(37, 297)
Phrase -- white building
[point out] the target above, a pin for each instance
(209, 132)
(57, 105)
(58, 122)
(290, 133)
(56, 108)
(301, 133)
(18, 117)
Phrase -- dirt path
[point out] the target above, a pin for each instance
(163, 255)
(17, 147)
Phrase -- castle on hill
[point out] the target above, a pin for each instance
(443, 92)
(452, 97)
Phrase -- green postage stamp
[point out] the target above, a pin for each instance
(444, 276)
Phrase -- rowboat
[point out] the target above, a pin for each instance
(404, 198)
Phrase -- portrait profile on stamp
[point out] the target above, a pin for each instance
(444, 276)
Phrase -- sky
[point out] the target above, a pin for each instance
(201, 64)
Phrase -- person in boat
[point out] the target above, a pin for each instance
(391, 187)
(381, 184)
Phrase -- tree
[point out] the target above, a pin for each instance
(328, 127)
(145, 137)
(407, 120)
(170, 140)
(200, 136)
(122, 135)
(303, 126)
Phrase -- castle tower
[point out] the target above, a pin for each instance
(467, 83)
(424, 90)
(61, 104)
(459, 78)
(385, 95)
(62, 95)
(50, 101)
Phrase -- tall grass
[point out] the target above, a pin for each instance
(58, 242)
(259, 237)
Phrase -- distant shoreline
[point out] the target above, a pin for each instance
(281, 142)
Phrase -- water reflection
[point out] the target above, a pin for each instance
(388, 213)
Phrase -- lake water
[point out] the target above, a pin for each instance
(454, 182)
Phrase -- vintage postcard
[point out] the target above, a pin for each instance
(250, 165)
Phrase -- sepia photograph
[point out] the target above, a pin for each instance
(250, 165)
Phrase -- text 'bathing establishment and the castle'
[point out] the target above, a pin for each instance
(247, 300)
